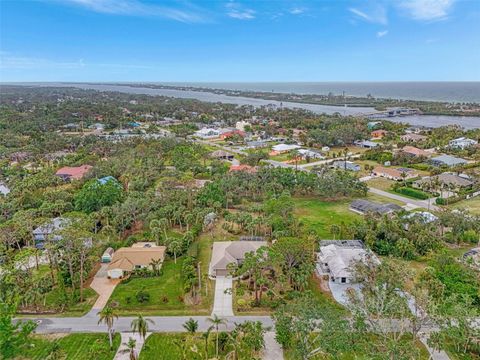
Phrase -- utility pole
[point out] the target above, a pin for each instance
(199, 277)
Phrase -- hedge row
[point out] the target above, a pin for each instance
(417, 194)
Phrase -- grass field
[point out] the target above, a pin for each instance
(170, 346)
(166, 293)
(319, 215)
(472, 205)
(73, 346)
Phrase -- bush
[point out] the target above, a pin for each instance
(417, 194)
(241, 302)
(142, 296)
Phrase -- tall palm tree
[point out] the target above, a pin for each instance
(191, 326)
(140, 324)
(155, 264)
(206, 336)
(108, 316)
(216, 322)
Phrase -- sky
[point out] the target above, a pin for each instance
(232, 41)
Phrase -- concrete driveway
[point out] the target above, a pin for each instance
(222, 304)
(103, 286)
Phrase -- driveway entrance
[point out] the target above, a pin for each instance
(222, 304)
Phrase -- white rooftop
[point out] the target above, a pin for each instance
(285, 147)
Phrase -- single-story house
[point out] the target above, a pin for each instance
(309, 154)
(256, 144)
(367, 144)
(337, 258)
(416, 152)
(348, 165)
(246, 168)
(394, 174)
(423, 216)
(231, 132)
(221, 155)
(4, 190)
(362, 207)
(379, 134)
(373, 124)
(107, 255)
(230, 252)
(413, 137)
(283, 148)
(207, 133)
(454, 181)
(46, 231)
(240, 125)
(462, 143)
(447, 160)
(139, 256)
(106, 179)
(68, 173)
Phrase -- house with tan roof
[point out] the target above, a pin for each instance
(413, 137)
(230, 252)
(68, 173)
(395, 174)
(416, 152)
(138, 256)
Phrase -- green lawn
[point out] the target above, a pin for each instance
(166, 293)
(318, 215)
(74, 347)
(472, 205)
(168, 346)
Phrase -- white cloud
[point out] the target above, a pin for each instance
(427, 9)
(15, 62)
(382, 33)
(376, 15)
(237, 11)
(138, 8)
(297, 11)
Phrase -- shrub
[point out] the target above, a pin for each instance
(142, 296)
(417, 194)
(241, 302)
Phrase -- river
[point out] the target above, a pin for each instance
(468, 122)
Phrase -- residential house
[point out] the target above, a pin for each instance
(256, 144)
(423, 216)
(310, 154)
(412, 137)
(416, 152)
(447, 160)
(107, 255)
(346, 165)
(225, 253)
(106, 179)
(367, 144)
(48, 231)
(221, 155)
(246, 168)
(462, 143)
(379, 134)
(68, 173)
(283, 148)
(337, 259)
(4, 190)
(226, 133)
(139, 256)
(445, 180)
(362, 207)
(207, 133)
(394, 174)
(240, 125)
(373, 124)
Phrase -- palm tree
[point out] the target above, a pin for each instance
(108, 316)
(155, 264)
(174, 245)
(140, 324)
(216, 322)
(130, 348)
(335, 230)
(191, 326)
(206, 336)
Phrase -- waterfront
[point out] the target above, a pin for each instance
(468, 122)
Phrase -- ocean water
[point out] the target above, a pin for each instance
(429, 91)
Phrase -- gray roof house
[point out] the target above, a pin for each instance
(337, 259)
(447, 160)
(346, 165)
(361, 206)
(454, 180)
(43, 232)
(230, 252)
